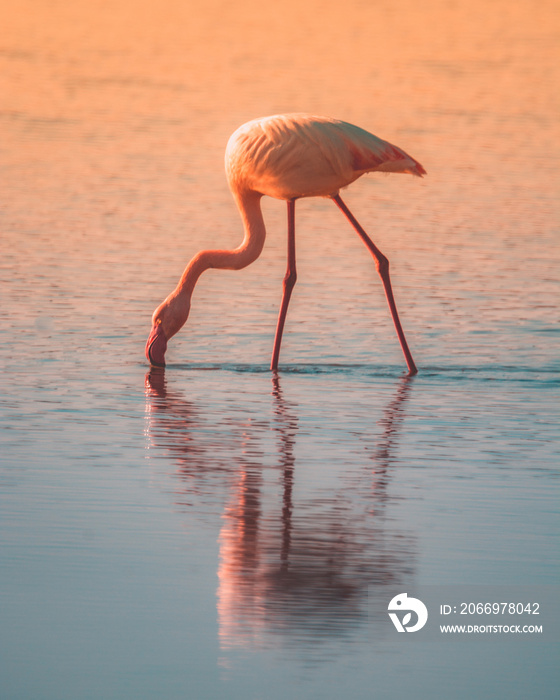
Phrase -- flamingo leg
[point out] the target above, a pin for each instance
(288, 283)
(382, 264)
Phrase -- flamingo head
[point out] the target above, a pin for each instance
(156, 346)
(168, 319)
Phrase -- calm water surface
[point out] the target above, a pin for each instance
(214, 531)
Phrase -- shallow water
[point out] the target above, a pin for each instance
(214, 530)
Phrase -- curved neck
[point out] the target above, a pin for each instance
(249, 205)
(173, 312)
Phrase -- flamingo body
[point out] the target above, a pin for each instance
(289, 156)
(286, 156)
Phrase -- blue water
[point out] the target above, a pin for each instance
(214, 531)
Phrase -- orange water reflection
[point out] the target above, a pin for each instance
(114, 120)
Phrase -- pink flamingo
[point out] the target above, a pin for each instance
(286, 156)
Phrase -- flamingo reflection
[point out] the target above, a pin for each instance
(292, 563)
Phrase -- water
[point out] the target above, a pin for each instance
(216, 531)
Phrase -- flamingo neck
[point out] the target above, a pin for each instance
(174, 311)
(249, 206)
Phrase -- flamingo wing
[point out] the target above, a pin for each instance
(297, 155)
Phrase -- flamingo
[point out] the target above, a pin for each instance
(286, 156)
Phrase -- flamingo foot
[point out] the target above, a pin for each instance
(156, 346)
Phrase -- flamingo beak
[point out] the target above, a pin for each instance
(156, 346)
